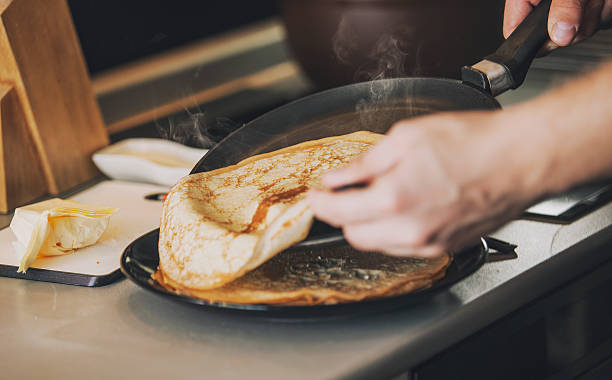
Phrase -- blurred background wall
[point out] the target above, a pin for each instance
(115, 32)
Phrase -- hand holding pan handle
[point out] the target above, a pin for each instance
(507, 67)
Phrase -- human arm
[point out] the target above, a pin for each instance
(437, 183)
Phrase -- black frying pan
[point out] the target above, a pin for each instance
(376, 105)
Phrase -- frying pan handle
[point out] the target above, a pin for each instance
(507, 67)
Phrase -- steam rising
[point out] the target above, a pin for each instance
(194, 129)
(344, 44)
(387, 59)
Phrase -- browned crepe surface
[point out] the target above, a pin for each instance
(327, 276)
(218, 225)
(223, 233)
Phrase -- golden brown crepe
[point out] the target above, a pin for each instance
(217, 227)
(220, 224)
(327, 276)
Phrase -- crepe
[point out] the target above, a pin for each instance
(218, 225)
(328, 276)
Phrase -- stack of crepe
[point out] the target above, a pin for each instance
(221, 230)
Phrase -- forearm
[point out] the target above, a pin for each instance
(566, 134)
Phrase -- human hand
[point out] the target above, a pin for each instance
(569, 21)
(436, 183)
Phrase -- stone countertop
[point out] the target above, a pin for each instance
(123, 331)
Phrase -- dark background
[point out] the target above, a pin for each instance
(115, 32)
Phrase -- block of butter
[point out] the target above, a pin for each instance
(57, 227)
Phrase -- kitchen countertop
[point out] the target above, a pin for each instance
(122, 331)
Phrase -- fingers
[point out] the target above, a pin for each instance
(426, 252)
(568, 21)
(352, 206)
(373, 163)
(564, 20)
(381, 196)
(515, 11)
(398, 236)
(384, 233)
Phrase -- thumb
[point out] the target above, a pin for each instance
(564, 20)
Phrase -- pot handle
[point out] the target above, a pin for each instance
(507, 67)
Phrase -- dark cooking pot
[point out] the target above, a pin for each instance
(345, 41)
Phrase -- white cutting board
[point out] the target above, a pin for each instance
(135, 217)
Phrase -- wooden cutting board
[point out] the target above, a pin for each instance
(98, 264)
